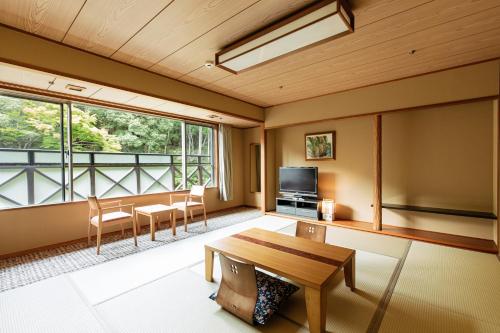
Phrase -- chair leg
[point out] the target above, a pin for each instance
(88, 235)
(185, 220)
(98, 240)
(191, 214)
(205, 215)
(123, 230)
(134, 228)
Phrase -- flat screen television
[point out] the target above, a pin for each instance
(301, 181)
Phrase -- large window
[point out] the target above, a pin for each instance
(111, 153)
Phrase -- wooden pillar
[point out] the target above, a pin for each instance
(377, 172)
(498, 173)
(263, 173)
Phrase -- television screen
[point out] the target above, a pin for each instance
(299, 180)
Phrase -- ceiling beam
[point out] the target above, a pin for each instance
(24, 49)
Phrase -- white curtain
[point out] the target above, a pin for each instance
(225, 163)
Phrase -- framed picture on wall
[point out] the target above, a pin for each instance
(320, 146)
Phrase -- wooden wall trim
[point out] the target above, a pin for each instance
(403, 109)
(263, 169)
(377, 172)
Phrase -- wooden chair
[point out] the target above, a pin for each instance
(188, 205)
(100, 219)
(238, 288)
(311, 231)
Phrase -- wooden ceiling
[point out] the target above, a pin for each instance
(176, 37)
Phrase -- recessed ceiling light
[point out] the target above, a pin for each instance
(75, 88)
(321, 22)
(209, 64)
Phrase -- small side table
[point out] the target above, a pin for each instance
(153, 212)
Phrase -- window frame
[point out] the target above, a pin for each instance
(66, 148)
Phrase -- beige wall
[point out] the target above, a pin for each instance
(439, 157)
(30, 51)
(23, 229)
(348, 179)
(457, 84)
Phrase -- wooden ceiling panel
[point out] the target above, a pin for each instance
(366, 12)
(48, 18)
(102, 27)
(195, 54)
(458, 52)
(380, 53)
(175, 38)
(181, 23)
(404, 24)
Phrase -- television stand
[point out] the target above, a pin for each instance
(298, 207)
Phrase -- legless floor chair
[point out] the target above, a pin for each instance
(311, 231)
(250, 294)
(193, 201)
(106, 214)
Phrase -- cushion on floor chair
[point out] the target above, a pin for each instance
(250, 294)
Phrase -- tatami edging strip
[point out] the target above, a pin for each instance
(378, 316)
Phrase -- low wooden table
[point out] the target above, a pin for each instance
(306, 262)
(153, 212)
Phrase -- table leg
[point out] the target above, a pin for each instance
(209, 265)
(152, 227)
(350, 272)
(173, 220)
(134, 228)
(137, 223)
(185, 220)
(316, 309)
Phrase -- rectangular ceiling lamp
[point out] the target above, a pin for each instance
(316, 24)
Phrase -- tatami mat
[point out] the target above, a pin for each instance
(50, 306)
(365, 241)
(350, 311)
(179, 303)
(443, 289)
(101, 282)
(347, 311)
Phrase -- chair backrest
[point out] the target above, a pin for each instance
(238, 288)
(93, 203)
(311, 231)
(197, 190)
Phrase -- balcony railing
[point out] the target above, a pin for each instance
(31, 176)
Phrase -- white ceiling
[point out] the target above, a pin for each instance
(25, 77)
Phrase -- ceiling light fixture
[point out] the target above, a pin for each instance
(209, 64)
(319, 23)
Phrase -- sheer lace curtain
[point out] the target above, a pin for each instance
(225, 163)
